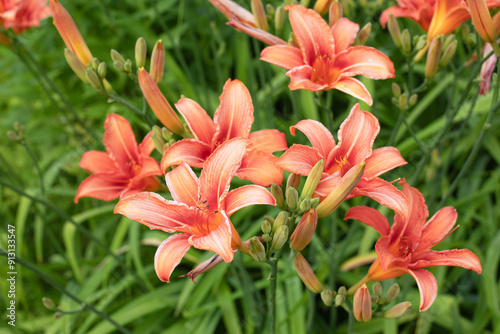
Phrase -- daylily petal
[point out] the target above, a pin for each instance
(448, 15)
(119, 140)
(383, 192)
(245, 196)
(150, 183)
(146, 146)
(200, 124)
(366, 61)
(437, 228)
(218, 240)
(269, 140)
(427, 286)
(299, 159)
(100, 186)
(98, 162)
(235, 113)
(344, 33)
(382, 160)
(300, 78)
(387, 259)
(318, 135)
(410, 13)
(356, 136)
(355, 88)
(326, 185)
(312, 32)
(370, 217)
(410, 225)
(183, 184)
(455, 257)
(260, 168)
(205, 266)
(285, 56)
(149, 167)
(191, 151)
(231, 8)
(169, 254)
(255, 32)
(156, 212)
(219, 169)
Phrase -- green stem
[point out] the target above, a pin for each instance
(39, 171)
(132, 107)
(273, 277)
(61, 289)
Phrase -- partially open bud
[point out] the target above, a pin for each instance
(260, 14)
(398, 310)
(392, 293)
(292, 198)
(312, 180)
(141, 51)
(157, 62)
(327, 296)
(364, 33)
(159, 104)
(257, 249)
(277, 193)
(293, 181)
(335, 13)
(433, 56)
(362, 304)
(304, 231)
(341, 191)
(394, 30)
(280, 220)
(481, 17)
(279, 237)
(75, 65)
(306, 274)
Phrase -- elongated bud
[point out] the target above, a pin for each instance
(141, 51)
(166, 133)
(412, 100)
(270, 10)
(158, 139)
(398, 310)
(159, 104)
(362, 304)
(335, 13)
(279, 18)
(393, 26)
(306, 274)
(322, 6)
(93, 78)
(304, 231)
(339, 300)
(341, 191)
(406, 42)
(266, 226)
(433, 56)
(116, 56)
(48, 303)
(119, 66)
(481, 17)
(102, 70)
(403, 102)
(157, 62)
(257, 250)
(75, 65)
(305, 205)
(364, 33)
(292, 198)
(279, 237)
(396, 90)
(392, 293)
(293, 181)
(377, 289)
(448, 53)
(421, 42)
(312, 180)
(327, 296)
(277, 193)
(280, 220)
(260, 14)
(107, 86)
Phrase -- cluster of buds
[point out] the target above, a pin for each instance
(95, 74)
(162, 138)
(402, 40)
(401, 99)
(121, 64)
(16, 135)
(336, 298)
(440, 52)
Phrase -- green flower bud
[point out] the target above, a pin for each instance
(48, 303)
(280, 237)
(305, 205)
(377, 289)
(396, 90)
(406, 42)
(166, 133)
(403, 102)
(280, 220)
(375, 299)
(93, 78)
(279, 19)
(127, 66)
(293, 181)
(75, 65)
(266, 226)
(57, 315)
(141, 51)
(292, 198)
(312, 180)
(257, 249)
(102, 70)
(314, 202)
(270, 10)
(448, 53)
(364, 33)
(433, 56)
(267, 237)
(413, 100)
(116, 56)
(392, 293)
(277, 192)
(398, 310)
(394, 30)
(327, 296)
(119, 66)
(342, 291)
(339, 300)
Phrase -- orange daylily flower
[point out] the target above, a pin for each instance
(69, 33)
(356, 136)
(233, 119)
(420, 11)
(325, 58)
(405, 247)
(482, 20)
(22, 14)
(124, 169)
(200, 210)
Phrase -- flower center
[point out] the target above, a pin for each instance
(323, 72)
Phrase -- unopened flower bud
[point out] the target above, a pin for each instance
(257, 249)
(335, 12)
(327, 296)
(472, 40)
(158, 142)
(375, 299)
(102, 70)
(364, 33)
(362, 304)
(166, 133)
(304, 3)
(127, 66)
(377, 289)
(75, 65)
(119, 66)
(339, 300)
(342, 291)
(266, 226)
(303, 233)
(95, 63)
(406, 42)
(305, 205)
(279, 237)
(322, 6)
(270, 10)
(277, 193)
(57, 315)
(412, 100)
(392, 293)
(292, 198)
(396, 90)
(116, 56)
(433, 56)
(279, 18)
(107, 86)
(306, 274)
(481, 18)
(157, 62)
(280, 220)
(48, 303)
(260, 14)
(267, 238)
(314, 202)
(93, 78)
(293, 181)
(403, 102)
(12, 135)
(448, 53)
(394, 30)
(313, 179)
(398, 310)
(140, 52)
(341, 190)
